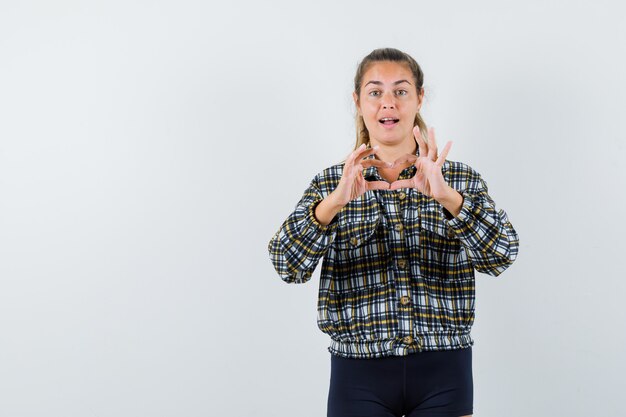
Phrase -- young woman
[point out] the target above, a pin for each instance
(401, 230)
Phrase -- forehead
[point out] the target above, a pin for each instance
(387, 72)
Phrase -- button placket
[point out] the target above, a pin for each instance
(398, 222)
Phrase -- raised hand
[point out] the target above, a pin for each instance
(428, 178)
(352, 183)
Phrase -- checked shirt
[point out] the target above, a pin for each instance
(397, 273)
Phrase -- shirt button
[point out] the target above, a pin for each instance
(407, 339)
(401, 263)
(401, 195)
(404, 300)
(354, 241)
(398, 227)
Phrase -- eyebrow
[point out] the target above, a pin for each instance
(380, 83)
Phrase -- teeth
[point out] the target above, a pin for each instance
(387, 118)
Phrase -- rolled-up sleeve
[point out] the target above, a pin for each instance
(301, 241)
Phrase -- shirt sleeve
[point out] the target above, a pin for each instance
(486, 233)
(301, 241)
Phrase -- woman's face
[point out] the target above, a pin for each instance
(388, 91)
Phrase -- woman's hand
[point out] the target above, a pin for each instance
(352, 183)
(428, 178)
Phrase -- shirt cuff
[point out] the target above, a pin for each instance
(465, 213)
(317, 226)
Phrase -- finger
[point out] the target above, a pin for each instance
(361, 153)
(350, 157)
(360, 156)
(377, 163)
(355, 152)
(358, 168)
(421, 144)
(405, 160)
(362, 164)
(371, 161)
(444, 153)
(432, 144)
(377, 185)
(401, 184)
(418, 164)
(410, 158)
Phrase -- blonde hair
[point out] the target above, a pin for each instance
(394, 55)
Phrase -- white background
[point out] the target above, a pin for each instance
(149, 151)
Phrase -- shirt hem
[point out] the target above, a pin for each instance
(370, 349)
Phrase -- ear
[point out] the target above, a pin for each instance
(356, 102)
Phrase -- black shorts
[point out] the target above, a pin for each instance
(423, 384)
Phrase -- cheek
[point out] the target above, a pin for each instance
(370, 111)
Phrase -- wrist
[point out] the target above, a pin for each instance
(333, 201)
(452, 201)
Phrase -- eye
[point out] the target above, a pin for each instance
(403, 91)
(373, 91)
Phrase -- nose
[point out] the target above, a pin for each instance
(388, 101)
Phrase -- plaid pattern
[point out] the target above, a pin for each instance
(398, 269)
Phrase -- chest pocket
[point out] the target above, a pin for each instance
(359, 222)
(352, 235)
(360, 254)
(439, 249)
(432, 219)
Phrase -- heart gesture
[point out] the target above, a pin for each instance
(428, 178)
(352, 183)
